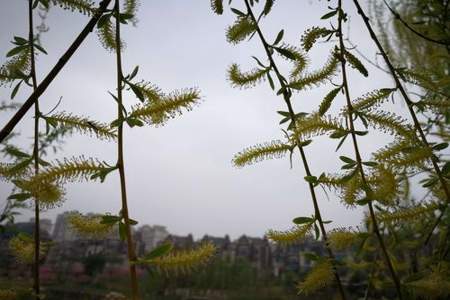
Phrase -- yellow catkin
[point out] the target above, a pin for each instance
(185, 261)
(290, 236)
(340, 239)
(89, 226)
(319, 277)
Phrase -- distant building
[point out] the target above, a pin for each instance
(44, 224)
(62, 231)
(223, 245)
(255, 250)
(181, 242)
(151, 236)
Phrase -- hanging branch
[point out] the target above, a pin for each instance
(37, 240)
(434, 159)
(343, 54)
(120, 159)
(287, 93)
(40, 89)
(398, 17)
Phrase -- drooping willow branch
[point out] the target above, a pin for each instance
(287, 93)
(120, 159)
(434, 159)
(343, 54)
(40, 89)
(410, 28)
(37, 240)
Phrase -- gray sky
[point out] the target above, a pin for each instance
(181, 175)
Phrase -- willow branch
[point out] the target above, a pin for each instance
(40, 89)
(287, 98)
(410, 105)
(398, 17)
(36, 234)
(120, 161)
(358, 155)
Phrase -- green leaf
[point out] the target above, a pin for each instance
(20, 196)
(134, 73)
(16, 89)
(269, 78)
(159, 251)
(40, 48)
(440, 146)
(363, 202)
(311, 179)
(132, 222)
(108, 219)
(316, 231)
(338, 134)
(341, 142)
(286, 53)
(279, 37)
(302, 220)
(329, 15)
(16, 152)
(238, 12)
(305, 143)
(370, 163)
(446, 168)
(259, 62)
(361, 133)
(137, 91)
(284, 113)
(103, 173)
(122, 231)
(16, 50)
(21, 165)
(346, 159)
(20, 40)
(349, 166)
(134, 122)
(43, 162)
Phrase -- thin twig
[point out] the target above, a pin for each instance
(287, 98)
(434, 159)
(120, 161)
(398, 17)
(358, 155)
(36, 235)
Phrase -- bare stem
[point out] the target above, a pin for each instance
(37, 239)
(434, 159)
(287, 98)
(357, 152)
(120, 162)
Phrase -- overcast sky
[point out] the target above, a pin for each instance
(181, 175)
